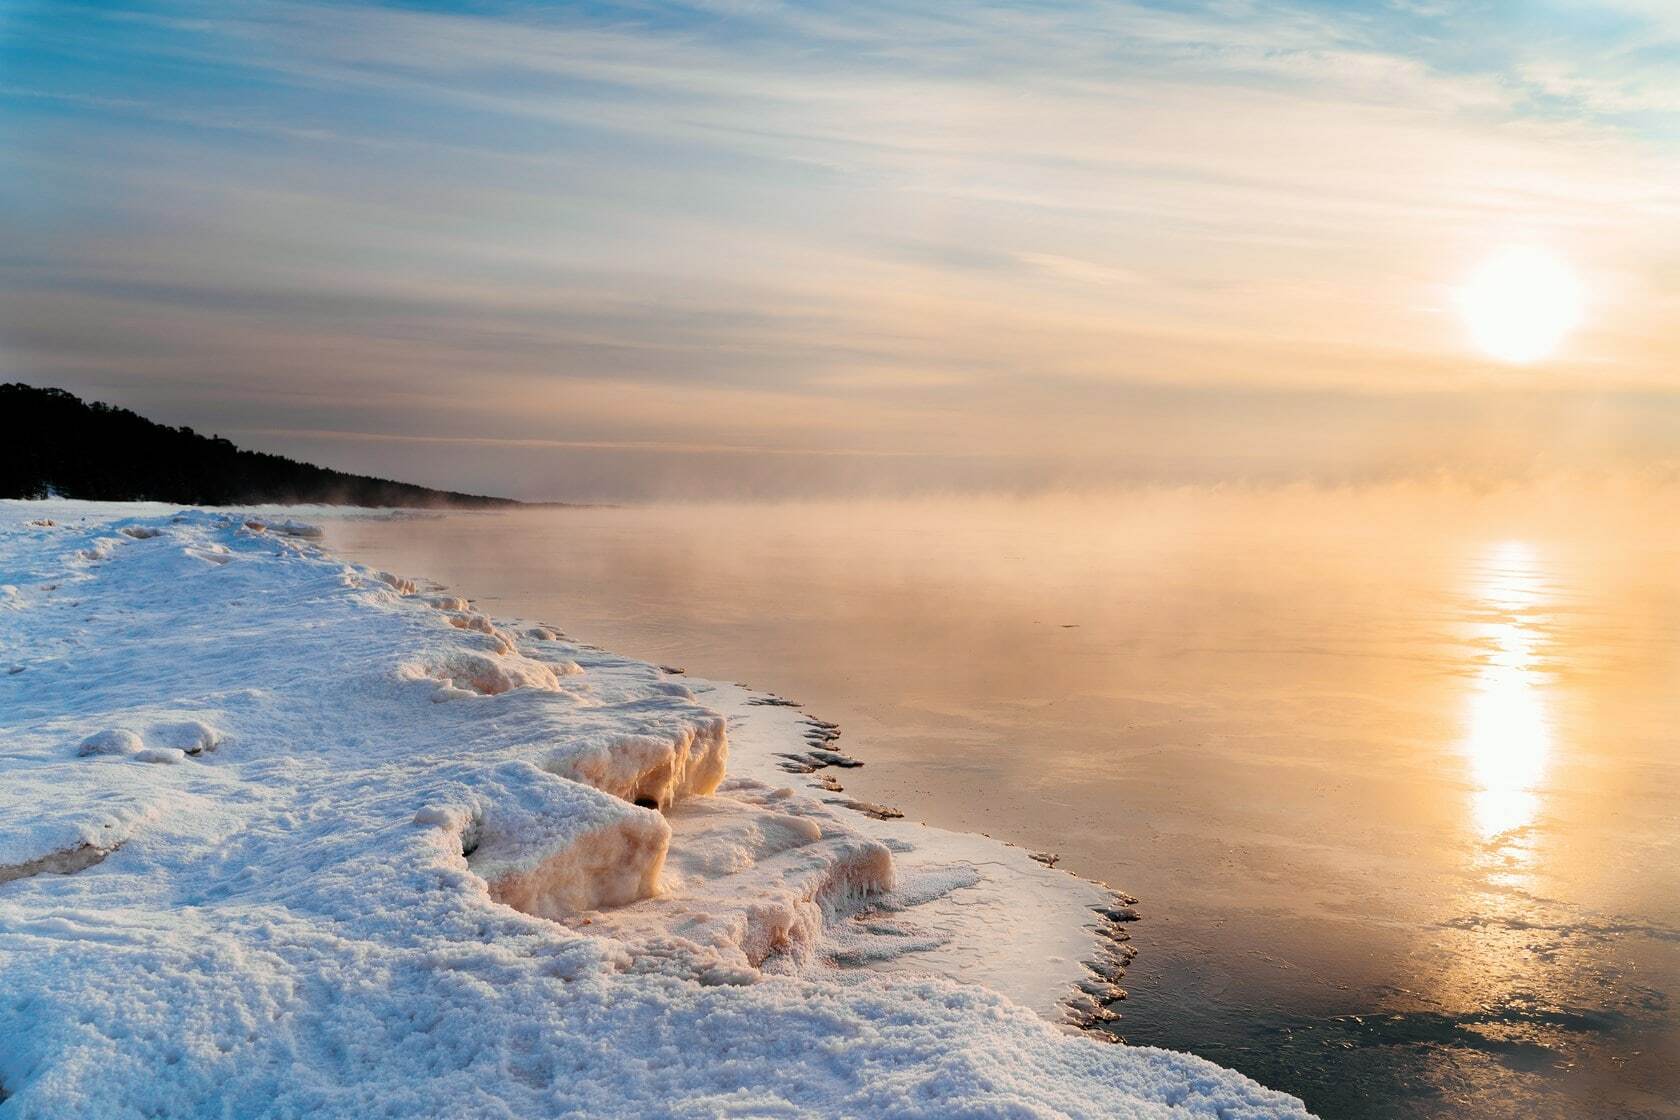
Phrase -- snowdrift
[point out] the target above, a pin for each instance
(281, 836)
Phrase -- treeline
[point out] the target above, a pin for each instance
(53, 442)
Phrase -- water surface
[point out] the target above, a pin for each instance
(1393, 771)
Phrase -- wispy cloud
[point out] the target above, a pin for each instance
(890, 229)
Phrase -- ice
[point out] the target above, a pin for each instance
(469, 620)
(967, 907)
(553, 848)
(648, 769)
(112, 740)
(755, 873)
(65, 861)
(64, 834)
(400, 584)
(583, 889)
(485, 674)
(191, 736)
(447, 602)
(165, 741)
(285, 527)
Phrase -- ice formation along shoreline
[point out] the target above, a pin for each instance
(284, 836)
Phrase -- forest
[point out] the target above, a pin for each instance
(57, 443)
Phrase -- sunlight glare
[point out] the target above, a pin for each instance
(1520, 303)
(1508, 736)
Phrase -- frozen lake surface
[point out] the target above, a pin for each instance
(1393, 771)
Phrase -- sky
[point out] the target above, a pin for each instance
(747, 248)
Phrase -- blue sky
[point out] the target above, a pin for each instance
(618, 251)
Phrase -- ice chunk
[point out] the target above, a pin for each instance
(286, 528)
(69, 834)
(191, 736)
(755, 876)
(399, 584)
(553, 848)
(446, 602)
(113, 740)
(486, 674)
(649, 769)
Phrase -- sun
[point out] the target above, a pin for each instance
(1520, 303)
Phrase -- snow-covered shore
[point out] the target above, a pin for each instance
(280, 836)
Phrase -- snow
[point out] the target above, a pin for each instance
(558, 848)
(112, 740)
(578, 886)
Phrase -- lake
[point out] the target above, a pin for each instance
(1392, 769)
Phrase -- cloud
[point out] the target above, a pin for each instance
(892, 230)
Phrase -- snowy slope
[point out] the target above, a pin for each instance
(284, 837)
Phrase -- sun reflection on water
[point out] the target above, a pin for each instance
(1508, 737)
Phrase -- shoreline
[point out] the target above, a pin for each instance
(594, 798)
(1094, 949)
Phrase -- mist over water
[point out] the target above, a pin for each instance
(1393, 770)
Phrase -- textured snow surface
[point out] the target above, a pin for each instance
(281, 837)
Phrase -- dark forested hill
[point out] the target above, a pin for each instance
(53, 441)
